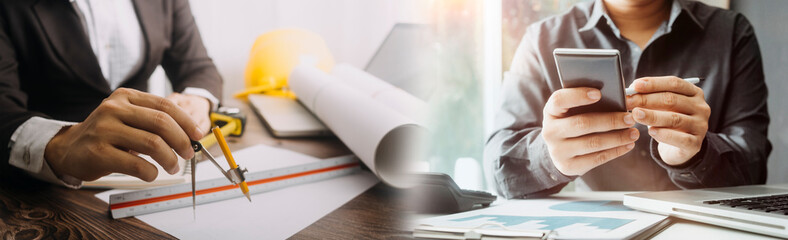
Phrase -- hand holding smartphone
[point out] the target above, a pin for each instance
(594, 68)
(586, 123)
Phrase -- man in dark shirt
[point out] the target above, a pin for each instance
(677, 135)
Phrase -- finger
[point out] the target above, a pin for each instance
(132, 152)
(665, 84)
(122, 162)
(205, 124)
(563, 99)
(186, 123)
(662, 101)
(666, 119)
(592, 160)
(673, 137)
(147, 143)
(162, 125)
(600, 141)
(582, 124)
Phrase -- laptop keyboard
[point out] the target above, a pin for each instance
(776, 204)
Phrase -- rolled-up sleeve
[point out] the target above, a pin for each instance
(519, 157)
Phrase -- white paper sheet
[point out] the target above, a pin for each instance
(385, 140)
(568, 218)
(382, 91)
(120, 180)
(272, 215)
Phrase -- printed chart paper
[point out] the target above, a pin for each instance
(598, 219)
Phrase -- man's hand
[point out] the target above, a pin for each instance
(582, 142)
(127, 122)
(677, 115)
(197, 107)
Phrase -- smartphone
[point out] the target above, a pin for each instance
(595, 68)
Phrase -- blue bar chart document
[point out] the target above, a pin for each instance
(563, 219)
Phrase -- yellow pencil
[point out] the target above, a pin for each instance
(229, 156)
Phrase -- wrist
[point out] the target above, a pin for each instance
(682, 159)
(692, 161)
(695, 158)
(55, 150)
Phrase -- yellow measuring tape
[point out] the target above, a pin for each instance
(232, 127)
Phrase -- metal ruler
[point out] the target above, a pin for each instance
(178, 196)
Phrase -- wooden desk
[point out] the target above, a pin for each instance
(32, 209)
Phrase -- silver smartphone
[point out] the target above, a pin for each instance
(596, 68)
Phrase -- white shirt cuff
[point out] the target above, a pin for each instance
(202, 92)
(27, 146)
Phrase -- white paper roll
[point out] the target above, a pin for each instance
(382, 91)
(385, 140)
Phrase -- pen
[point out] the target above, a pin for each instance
(230, 160)
(631, 90)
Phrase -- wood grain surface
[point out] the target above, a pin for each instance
(30, 209)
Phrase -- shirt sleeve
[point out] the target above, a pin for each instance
(521, 163)
(736, 150)
(27, 146)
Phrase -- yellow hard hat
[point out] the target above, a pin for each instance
(275, 54)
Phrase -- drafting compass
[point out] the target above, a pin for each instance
(235, 174)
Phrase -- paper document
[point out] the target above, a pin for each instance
(271, 215)
(565, 219)
(385, 140)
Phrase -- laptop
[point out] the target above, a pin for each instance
(760, 209)
(285, 117)
(405, 59)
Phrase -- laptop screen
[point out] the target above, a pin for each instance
(406, 59)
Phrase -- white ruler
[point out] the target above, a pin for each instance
(177, 196)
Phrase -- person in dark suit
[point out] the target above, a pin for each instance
(73, 76)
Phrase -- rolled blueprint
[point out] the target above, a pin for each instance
(385, 140)
(382, 91)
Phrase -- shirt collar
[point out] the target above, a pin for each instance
(682, 5)
(598, 12)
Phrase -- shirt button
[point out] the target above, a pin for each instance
(643, 153)
(552, 176)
